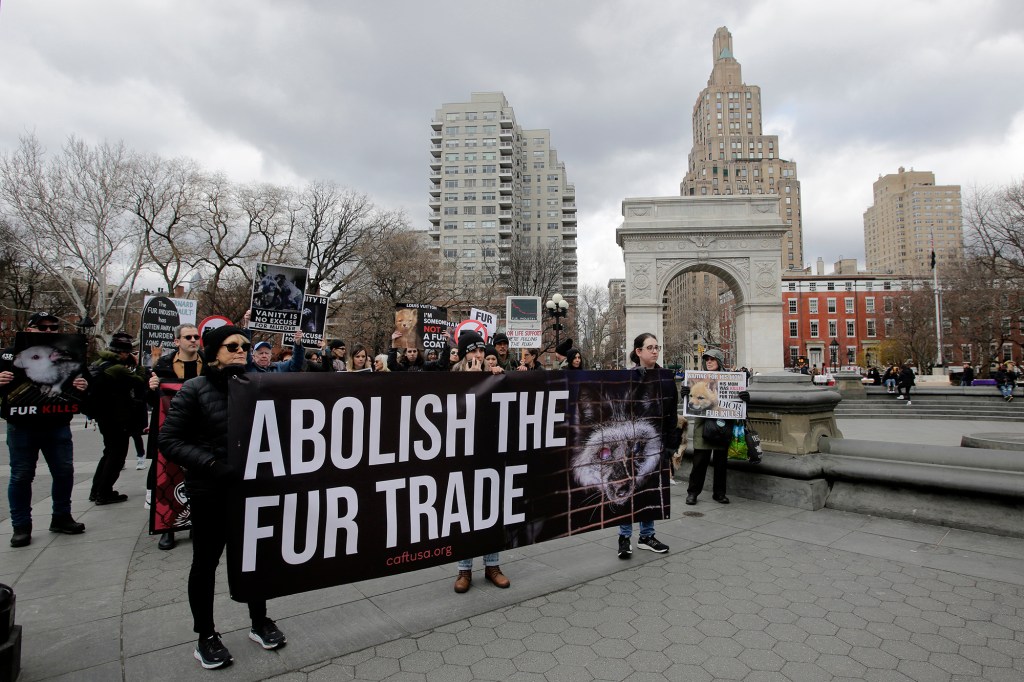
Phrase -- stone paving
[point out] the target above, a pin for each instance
(750, 591)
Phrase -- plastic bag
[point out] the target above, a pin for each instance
(738, 444)
(754, 450)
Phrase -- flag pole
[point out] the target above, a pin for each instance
(938, 304)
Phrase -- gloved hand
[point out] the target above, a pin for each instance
(225, 471)
(744, 396)
(684, 391)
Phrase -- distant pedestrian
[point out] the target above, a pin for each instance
(904, 382)
(968, 376)
(1006, 380)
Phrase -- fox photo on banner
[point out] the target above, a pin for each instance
(44, 367)
(345, 481)
(715, 395)
(313, 322)
(421, 326)
(168, 509)
(278, 297)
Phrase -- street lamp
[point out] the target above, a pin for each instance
(85, 325)
(558, 308)
(834, 347)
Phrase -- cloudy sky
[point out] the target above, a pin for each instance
(290, 91)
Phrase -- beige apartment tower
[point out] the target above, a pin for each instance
(732, 155)
(494, 187)
(910, 213)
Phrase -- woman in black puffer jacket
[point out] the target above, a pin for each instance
(194, 436)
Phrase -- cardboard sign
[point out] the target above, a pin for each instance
(714, 395)
(161, 316)
(421, 326)
(314, 322)
(490, 320)
(44, 365)
(524, 338)
(278, 297)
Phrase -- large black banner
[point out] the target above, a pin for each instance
(349, 478)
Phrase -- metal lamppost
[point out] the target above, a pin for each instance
(834, 347)
(85, 325)
(558, 308)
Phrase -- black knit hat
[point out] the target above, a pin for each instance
(337, 343)
(564, 347)
(121, 342)
(489, 350)
(469, 341)
(214, 338)
(500, 337)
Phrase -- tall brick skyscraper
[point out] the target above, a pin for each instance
(732, 155)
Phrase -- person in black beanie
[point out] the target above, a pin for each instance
(561, 352)
(194, 436)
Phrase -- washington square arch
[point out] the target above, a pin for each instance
(736, 238)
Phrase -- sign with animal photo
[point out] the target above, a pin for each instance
(44, 366)
(313, 323)
(278, 297)
(346, 481)
(422, 326)
(715, 395)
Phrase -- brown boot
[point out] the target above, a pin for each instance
(463, 582)
(494, 574)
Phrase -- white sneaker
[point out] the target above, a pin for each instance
(908, 402)
(899, 398)
(140, 463)
(149, 497)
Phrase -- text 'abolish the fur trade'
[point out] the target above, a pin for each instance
(308, 437)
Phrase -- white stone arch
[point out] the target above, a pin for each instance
(737, 238)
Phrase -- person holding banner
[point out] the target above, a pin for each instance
(471, 359)
(411, 359)
(359, 361)
(704, 452)
(530, 361)
(194, 436)
(492, 363)
(645, 357)
(263, 353)
(28, 434)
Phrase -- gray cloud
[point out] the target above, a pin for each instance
(293, 91)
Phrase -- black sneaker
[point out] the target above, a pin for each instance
(652, 543)
(111, 498)
(22, 536)
(625, 551)
(267, 635)
(211, 652)
(64, 523)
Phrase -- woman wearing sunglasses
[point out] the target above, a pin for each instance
(194, 435)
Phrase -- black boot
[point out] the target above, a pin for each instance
(22, 536)
(64, 523)
(167, 541)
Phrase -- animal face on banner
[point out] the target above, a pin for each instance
(45, 366)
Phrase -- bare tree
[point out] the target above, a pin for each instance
(164, 196)
(593, 322)
(914, 325)
(994, 234)
(67, 212)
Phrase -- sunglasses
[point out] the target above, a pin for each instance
(234, 347)
(48, 327)
(190, 337)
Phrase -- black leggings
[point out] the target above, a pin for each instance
(209, 537)
(701, 458)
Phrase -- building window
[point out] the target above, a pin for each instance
(814, 329)
(832, 306)
(849, 305)
(812, 306)
(851, 330)
(1007, 352)
(793, 304)
(794, 329)
(794, 353)
(833, 329)
(869, 304)
(871, 329)
(886, 304)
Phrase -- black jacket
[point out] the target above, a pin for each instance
(118, 392)
(194, 434)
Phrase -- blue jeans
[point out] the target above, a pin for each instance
(489, 560)
(1006, 389)
(890, 383)
(25, 444)
(646, 529)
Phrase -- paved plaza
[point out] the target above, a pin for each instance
(749, 591)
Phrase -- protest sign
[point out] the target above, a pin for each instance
(161, 317)
(362, 478)
(490, 320)
(715, 395)
(314, 321)
(168, 509)
(278, 295)
(524, 321)
(421, 326)
(44, 367)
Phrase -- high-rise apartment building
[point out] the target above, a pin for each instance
(732, 155)
(910, 213)
(497, 190)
